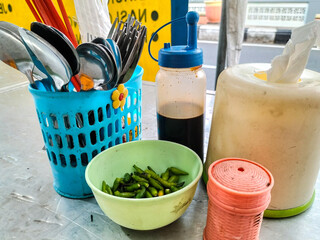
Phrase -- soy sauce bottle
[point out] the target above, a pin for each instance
(181, 91)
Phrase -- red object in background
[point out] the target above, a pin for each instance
(203, 19)
(55, 15)
(49, 16)
(68, 25)
(34, 12)
(213, 11)
(41, 8)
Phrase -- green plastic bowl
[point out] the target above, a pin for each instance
(146, 213)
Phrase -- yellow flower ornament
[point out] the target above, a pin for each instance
(119, 96)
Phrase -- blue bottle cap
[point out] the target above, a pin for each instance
(185, 56)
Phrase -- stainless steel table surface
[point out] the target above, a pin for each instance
(31, 209)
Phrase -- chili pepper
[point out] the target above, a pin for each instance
(160, 193)
(177, 171)
(163, 182)
(167, 191)
(174, 178)
(121, 188)
(139, 170)
(145, 184)
(104, 187)
(174, 189)
(148, 194)
(144, 175)
(127, 178)
(141, 193)
(122, 182)
(166, 183)
(151, 173)
(124, 194)
(139, 179)
(155, 184)
(116, 184)
(165, 175)
(108, 189)
(153, 191)
(132, 187)
(151, 170)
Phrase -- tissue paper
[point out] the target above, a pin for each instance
(288, 67)
(93, 18)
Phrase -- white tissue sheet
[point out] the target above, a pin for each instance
(93, 18)
(288, 67)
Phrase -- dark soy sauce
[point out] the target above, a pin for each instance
(186, 131)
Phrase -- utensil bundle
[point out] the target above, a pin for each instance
(130, 40)
(50, 59)
(44, 11)
(24, 50)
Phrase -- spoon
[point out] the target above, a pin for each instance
(100, 40)
(117, 55)
(10, 27)
(47, 59)
(14, 53)
(114, 80)
(114, 52)
(58, 40)
(96, 64)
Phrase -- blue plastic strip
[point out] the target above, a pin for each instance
(152, 36)
(179, 8)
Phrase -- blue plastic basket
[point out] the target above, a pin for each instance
(76, 126)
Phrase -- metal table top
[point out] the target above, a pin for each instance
(31, 209)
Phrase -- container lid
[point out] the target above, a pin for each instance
(241, 176)
(239, 183)
(183, 56)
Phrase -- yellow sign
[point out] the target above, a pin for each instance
(18, 13)
(152, 14)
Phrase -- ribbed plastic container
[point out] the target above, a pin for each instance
(76, 126)
(239, 192)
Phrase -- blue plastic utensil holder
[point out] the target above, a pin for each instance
(76, 126)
